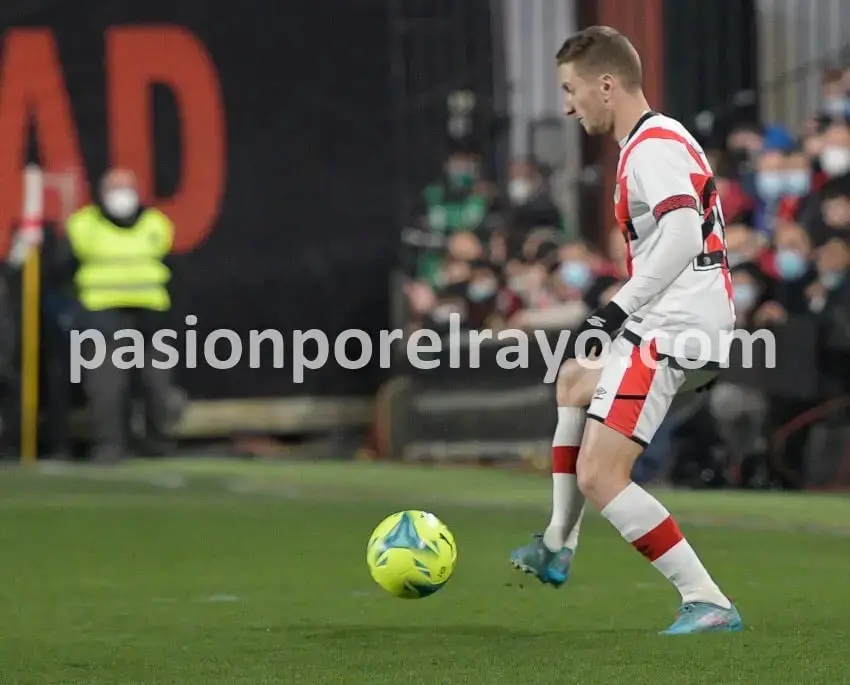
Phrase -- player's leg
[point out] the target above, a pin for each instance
(635, 396)
(575, 387)
(549, 555)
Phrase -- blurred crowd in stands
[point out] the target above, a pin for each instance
(509, 260)
(503, 262)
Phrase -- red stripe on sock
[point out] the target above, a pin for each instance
(657, 542)
(564, 458)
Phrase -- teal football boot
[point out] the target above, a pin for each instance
(552, 568)
(702, 617)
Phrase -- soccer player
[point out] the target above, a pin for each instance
(672, 320)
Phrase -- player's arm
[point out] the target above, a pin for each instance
(661, 171)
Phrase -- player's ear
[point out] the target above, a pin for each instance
(606, 84)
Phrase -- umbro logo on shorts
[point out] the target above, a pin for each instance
(596, 321)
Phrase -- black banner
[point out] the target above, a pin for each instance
(720, 42)
(265, 133)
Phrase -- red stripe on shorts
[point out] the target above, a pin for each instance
(631, 394)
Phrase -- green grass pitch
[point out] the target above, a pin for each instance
(206, 572)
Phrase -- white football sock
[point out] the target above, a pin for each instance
(644, 522)
(572, 538)
(567, 500)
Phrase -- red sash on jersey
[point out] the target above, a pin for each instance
(621, 204)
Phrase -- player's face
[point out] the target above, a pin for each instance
(583, 99)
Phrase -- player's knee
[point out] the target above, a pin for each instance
(598, 478)
(575, 384)
(586, 474)
(590, 475)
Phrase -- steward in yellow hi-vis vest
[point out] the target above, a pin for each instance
(121, 265)
(121, 279)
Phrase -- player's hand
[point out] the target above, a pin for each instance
(604, 323)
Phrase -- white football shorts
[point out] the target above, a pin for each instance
(637, 386)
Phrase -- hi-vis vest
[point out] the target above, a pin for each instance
(121, 267)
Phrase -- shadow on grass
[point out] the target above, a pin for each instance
(444, 633)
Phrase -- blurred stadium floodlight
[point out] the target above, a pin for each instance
(461, 105)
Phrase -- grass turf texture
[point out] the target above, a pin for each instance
(225, 572)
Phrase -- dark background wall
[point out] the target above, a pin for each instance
(295, 224)
(720, 73)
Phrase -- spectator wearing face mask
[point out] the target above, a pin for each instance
(794, 272)
(529, 196)
(768, 187)
(835, 96)
(798, 185)
(120, 247)
(553, 286)
(586, 274)
(570, 279)
(746, 145)
(488, 303)
(453, 203)
(782, 182)
(834, 158)
(575, 272)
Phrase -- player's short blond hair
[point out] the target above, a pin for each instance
(601, 49)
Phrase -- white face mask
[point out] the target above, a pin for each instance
(121, 202)
(835, 160)
(837, 107)
(519, 190)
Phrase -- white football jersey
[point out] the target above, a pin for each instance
(662, 168)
